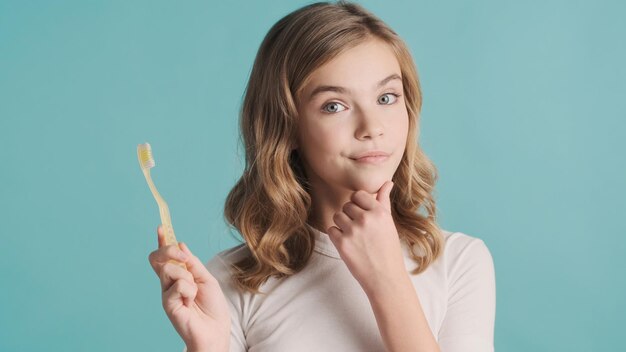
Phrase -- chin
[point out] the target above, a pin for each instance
(370, 185)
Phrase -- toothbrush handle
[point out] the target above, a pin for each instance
(170, 239)
(166, 221)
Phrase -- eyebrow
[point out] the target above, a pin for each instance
(321, 89)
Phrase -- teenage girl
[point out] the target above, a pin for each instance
(341, 247)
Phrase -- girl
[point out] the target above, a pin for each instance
(342, 251)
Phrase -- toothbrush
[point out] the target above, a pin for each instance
(146, 161)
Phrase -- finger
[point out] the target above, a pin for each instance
(384, 193)
(180, 291)
(152, 256)
(165, 254)
(335, 235)
(363, 200)
(353, 211)
(342, 221)
(170, 273)
(160, 236)
(195, 266)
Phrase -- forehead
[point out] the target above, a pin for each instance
(361, 66)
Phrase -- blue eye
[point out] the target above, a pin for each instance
(335, 106)
(331, 104)
(395, 97)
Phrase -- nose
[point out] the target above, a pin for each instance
(369, 125)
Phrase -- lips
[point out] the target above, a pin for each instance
(370, 154)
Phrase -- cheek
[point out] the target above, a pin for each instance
(324, 138)
(322, 143)
(400, 126)
(405, 122)
(405, 128)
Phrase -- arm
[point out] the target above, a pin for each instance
(219, 348)
(368, 242)
(400, 318)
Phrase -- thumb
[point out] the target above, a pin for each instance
(383, 195)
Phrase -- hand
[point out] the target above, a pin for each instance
(192, 298)
(367, 239)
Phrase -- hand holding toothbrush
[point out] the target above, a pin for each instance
(192, 298)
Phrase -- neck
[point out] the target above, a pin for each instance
(327, 200)
(324, 204)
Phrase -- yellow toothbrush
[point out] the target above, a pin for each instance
(146, 161)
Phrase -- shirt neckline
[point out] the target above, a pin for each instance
(323, 244)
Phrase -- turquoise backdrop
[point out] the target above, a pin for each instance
(523, 115)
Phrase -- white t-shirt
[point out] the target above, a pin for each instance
(323, 307)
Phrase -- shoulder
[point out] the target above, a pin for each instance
(219, 266)
(461, 247)
(467, 257)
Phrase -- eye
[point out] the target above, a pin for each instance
(386, 101)
(334, 105)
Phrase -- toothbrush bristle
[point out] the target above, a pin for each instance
(145, 156)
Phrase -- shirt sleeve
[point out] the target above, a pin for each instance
(468, 325)
(219, 269)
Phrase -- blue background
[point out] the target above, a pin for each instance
(523, 116)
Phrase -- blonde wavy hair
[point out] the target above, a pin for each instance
(270, 204)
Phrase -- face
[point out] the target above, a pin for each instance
(351, 106)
